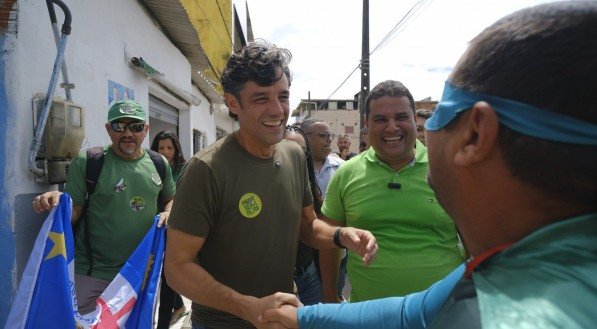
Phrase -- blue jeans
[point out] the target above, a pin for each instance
(308, 284)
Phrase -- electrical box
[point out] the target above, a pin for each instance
(62, 138)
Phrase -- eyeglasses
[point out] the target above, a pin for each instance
(135, 127)
(324, 136)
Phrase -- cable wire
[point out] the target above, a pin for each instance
(399, 27)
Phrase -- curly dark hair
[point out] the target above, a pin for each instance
(258, 61)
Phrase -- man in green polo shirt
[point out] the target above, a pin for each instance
(384, 190)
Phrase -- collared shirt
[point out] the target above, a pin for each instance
(328, 169)
(417, 240)
(546, 280)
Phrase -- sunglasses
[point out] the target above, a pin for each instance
(135, 127)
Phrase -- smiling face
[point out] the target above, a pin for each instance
(321, 147)
(127, 144)
(392, 130)
(262, 114)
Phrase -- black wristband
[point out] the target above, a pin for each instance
(337, 241)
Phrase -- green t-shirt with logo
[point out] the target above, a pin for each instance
(249, 211)
(417, 240)
(120, 212)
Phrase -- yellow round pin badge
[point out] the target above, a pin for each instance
(250, 205)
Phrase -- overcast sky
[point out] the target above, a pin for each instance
(324, 37)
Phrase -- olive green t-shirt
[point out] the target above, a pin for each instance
(248, 210)
(120, 211)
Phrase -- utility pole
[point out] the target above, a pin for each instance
(309, 104)
(364, 66)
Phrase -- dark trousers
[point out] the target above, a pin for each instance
(342, 274)
(199, 326)
(169, 301)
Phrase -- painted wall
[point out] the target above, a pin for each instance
(213, 22)
(7, 250)
(104, 35)
(337, 120)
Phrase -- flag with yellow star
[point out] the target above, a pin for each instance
(46, 294)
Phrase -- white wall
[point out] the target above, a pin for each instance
(338, 119)
(104, 34)
(199, 118)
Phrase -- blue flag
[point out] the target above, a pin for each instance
(46, 296)
(46, 291)
(129, 300)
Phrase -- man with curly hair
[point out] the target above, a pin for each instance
(243, 202)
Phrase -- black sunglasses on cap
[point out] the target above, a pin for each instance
(135, 127)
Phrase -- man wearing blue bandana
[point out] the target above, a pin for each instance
(513, 159)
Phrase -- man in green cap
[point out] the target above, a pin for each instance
(129, 187)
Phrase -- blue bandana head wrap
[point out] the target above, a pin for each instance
(522, 118)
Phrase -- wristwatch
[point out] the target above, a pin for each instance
(337, 241)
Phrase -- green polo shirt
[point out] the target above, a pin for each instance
(417, 240)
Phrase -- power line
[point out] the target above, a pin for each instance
(340, 86)
(401, 25)
(386, 39)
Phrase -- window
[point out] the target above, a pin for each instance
(349, 130)
(198, 140)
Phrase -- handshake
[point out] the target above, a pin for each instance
(283, 314)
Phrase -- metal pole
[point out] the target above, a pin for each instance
(66, 83)
(43, 118)
(308, 104)
(364, 64)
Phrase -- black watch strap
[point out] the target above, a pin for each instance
(337, 241)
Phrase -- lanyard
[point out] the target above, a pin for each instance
(477, 260)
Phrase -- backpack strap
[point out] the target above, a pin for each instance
(93, 168)
(158, 161)
(160, 165)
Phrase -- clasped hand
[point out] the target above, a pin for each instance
(281, 317)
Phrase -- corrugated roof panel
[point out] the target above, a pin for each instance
(175, 20)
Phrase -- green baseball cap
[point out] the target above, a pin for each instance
(126, 109)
